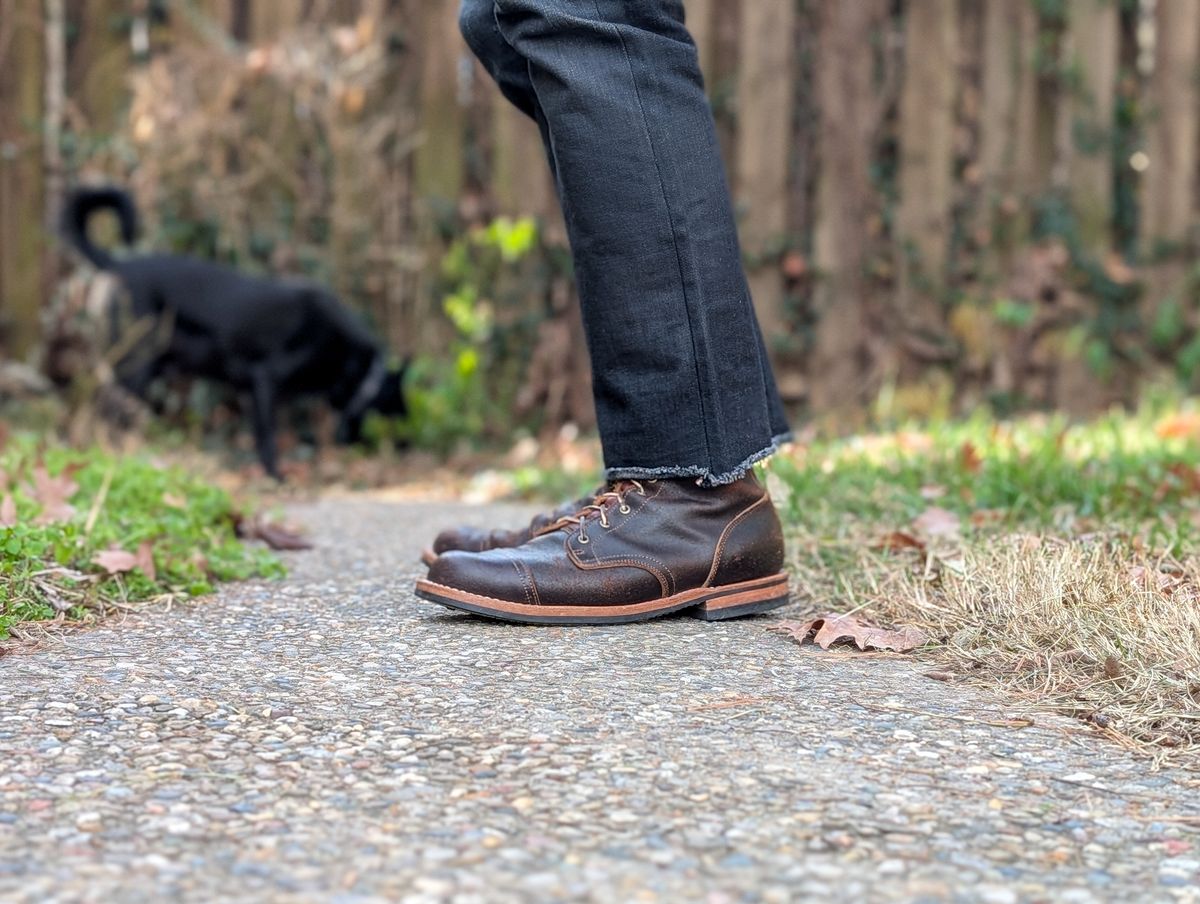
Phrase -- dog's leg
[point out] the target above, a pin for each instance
(264, 420)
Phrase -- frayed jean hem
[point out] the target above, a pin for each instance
(704, 476)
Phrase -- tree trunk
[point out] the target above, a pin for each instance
(926, 170)
(1091, 58)
(1169, 187)
(22, 186)
(764, 150)
(849, 117)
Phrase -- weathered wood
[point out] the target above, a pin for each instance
(439, 156)
(1007, 131)
(521, 180)
(54, 101)
(268, 19)
(700, 18)
(923, 215)
(22, 180)
(99, 61)
(1168, 221)
(764, 105)
(1173, 129)
(849, 116)
(1090, 55)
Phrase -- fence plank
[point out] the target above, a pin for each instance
(1006, 132)
(849, 115)
(1091, 60)
(22, 179)
(521, 182)
(764, 104)
(923, 216)
(439, 157)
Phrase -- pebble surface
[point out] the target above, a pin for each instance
(330, 737)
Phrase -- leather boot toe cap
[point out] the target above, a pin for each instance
(495, 573)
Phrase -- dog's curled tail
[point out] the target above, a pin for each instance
(81, 203)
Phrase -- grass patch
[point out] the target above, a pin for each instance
(66, 513)
(1059, 561)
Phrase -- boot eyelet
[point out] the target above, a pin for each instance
(624, 509)
(583, 540)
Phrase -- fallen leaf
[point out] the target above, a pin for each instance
(52, 493)
(938, 522)
(829, 629)
(1112, 667)
(145, 560)
(115, 561)
(8, 511)
(899, 539)
(984, 517)
(274, 535)
(969, 458)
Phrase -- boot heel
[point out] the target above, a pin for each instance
(747, 598)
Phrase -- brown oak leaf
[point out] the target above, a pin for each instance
(899, 539)
(830, 628)
(969, 458)
(115, 561)
(938, 522)
(52, 493)
(120, 561)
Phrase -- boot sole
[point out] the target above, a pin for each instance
(707, 603)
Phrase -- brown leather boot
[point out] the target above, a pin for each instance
(640, 550)
(476, 539)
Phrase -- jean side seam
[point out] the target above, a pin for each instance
(662, 187)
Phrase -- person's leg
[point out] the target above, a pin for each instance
(684, 394)
(682, 385)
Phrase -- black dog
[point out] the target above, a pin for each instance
(273, 340)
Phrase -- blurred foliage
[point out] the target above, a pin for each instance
(61, 508)
(467, 390)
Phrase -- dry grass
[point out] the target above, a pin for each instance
(1083, 625)
(1083, 595)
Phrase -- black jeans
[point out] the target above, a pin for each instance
(682, 382)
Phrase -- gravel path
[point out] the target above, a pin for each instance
(332, 738)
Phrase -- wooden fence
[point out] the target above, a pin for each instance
(950, 200)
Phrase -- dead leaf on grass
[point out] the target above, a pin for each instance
(938, 522)
(52, 493)
(115, 561)
(899, 539)
(273, 534)
(829, 629)
(8, 511)
(969, 458)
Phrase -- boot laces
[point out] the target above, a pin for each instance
(600, 505)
